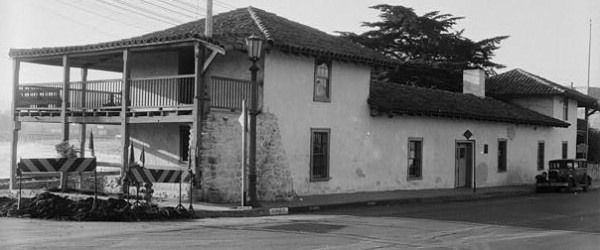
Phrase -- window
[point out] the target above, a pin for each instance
(501, 155)
(184, 143)
(415, 157)
(319, 154)
(485, 148)
(540, 155)
(565, 149)
(322, 89)
(566, 109)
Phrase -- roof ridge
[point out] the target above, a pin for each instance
(259, 23)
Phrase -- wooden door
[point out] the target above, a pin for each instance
(464, 163)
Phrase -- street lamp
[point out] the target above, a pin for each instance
(254, 46)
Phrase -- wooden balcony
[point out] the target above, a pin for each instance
(152, 99)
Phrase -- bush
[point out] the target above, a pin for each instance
(66, 150)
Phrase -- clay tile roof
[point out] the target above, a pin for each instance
(230, 30)
(394, 99)
(520, 83)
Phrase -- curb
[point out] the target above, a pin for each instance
(284, 210)
(404, 201)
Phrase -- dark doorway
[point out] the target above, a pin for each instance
(464, 164)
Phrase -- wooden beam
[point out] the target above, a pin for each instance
(209, 60)
(84, 73)
(162, 119)
(213, 47)
(112, 120)
(587, 134)
(16, 125)
(124, 104)
(65, 97)
(197, 111)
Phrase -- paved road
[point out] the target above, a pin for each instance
(517, 223)
(553, 211)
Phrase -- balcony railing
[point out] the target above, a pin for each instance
(152, 93)
(227, 93)
(168, 91)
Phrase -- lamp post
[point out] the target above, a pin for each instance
(254, 46)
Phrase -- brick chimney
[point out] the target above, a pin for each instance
(474, 82)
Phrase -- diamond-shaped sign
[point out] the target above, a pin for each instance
(467, 134)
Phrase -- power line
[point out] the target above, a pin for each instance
(224, 5)
(150, 12)
(178, 7)
(76, 22)
(136, 12)
(122, 14)
(167, 9)
(190, 5)
(99, 14)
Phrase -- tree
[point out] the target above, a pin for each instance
(434, 55)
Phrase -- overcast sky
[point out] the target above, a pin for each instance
(547, 37)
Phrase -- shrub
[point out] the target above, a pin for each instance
(66, 150)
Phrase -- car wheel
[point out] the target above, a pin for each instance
(572, 186)
(588, 184)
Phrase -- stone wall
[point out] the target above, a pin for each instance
(221, 159)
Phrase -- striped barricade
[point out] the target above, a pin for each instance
(141, 175)
(144, 175)
(63, 165)
(56, 165)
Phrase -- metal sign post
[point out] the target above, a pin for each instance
(243, 121)
(468, 134)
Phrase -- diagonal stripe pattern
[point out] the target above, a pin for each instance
(140, 175)
(57, 165)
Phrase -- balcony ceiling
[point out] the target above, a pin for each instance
(106, 61)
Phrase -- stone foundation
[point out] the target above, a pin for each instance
(221, 159)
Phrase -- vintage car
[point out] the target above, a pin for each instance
(566, 174)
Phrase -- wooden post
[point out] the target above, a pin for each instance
(587, 133)
(252, 189)
(124, 104)
(65, 97)
(16, 124)
(198, 109)
(84, 72)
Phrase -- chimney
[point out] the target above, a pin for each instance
(474, 82)
(208, 26)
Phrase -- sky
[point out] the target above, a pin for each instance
(547, 37)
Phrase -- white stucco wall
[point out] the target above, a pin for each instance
(235, 64)
(370, 153)
(542, 105)
(160, 142)
(148, 64)
(553, 107)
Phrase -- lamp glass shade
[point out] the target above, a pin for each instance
(254, 46)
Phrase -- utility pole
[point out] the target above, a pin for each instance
(587, 125)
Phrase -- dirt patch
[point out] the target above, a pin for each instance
(49, 206)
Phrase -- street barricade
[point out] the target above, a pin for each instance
(145, 175)
(64, 166)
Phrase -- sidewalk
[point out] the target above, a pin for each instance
(331, 201)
